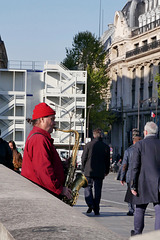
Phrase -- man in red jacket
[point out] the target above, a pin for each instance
(41, 162)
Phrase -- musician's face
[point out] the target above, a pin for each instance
(48, 123)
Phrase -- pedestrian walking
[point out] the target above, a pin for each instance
(125, 173)
(95, 164)
(145, 177)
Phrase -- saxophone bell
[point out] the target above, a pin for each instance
(74, 181)
(80, 181)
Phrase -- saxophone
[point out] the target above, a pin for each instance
(74, 182)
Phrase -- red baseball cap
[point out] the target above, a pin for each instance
(42, 110)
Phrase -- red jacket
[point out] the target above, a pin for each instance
(41, 162)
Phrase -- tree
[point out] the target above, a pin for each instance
(157, 79)
(87, 53)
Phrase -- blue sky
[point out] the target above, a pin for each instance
(40, 30)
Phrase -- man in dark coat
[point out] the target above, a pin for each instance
(95, 164)
(5, 154)
(125, 172)
(145, 177)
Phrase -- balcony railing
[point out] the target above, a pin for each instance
(146, 28)
(144, 48)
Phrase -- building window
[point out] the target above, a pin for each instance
(133, 87)
(144, 46)
(154, 39)
(144, 42)
(136, 45)
(116, 51)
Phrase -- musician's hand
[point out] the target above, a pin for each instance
(67, 192)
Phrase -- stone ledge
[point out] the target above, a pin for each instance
(155, 235)
(29, 212)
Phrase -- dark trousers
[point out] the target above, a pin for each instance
(93, 199)
(139, 217)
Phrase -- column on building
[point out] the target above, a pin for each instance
(148, 16)
(130, 73)
(157, 13)
(137, 101)
(119, 88)
(137, 93)
(126, 93)
(146, 79)
(155, 3)
(150, 5)
(140, 19)
(113, 76)
(126, 87)
(146, 5)
(153, 16)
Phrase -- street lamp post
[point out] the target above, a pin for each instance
(89, 107)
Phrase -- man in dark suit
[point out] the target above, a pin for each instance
(95, 164)
(145, 177)
(125, 172)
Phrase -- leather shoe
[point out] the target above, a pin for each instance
(96, 213)
(89, 210)
(132, 233)
(130, 213)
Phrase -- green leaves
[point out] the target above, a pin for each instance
(157, 79)
(88, 54)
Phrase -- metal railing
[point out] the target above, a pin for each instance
(2, 105)
(6, 127)
(145, 48)
(26, 65)
(146, 28)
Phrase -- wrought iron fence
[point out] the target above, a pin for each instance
(144, 48)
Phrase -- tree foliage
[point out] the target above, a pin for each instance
(87, 53)
(86, 50)
(157, 79)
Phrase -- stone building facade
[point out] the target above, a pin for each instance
(133, 60)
